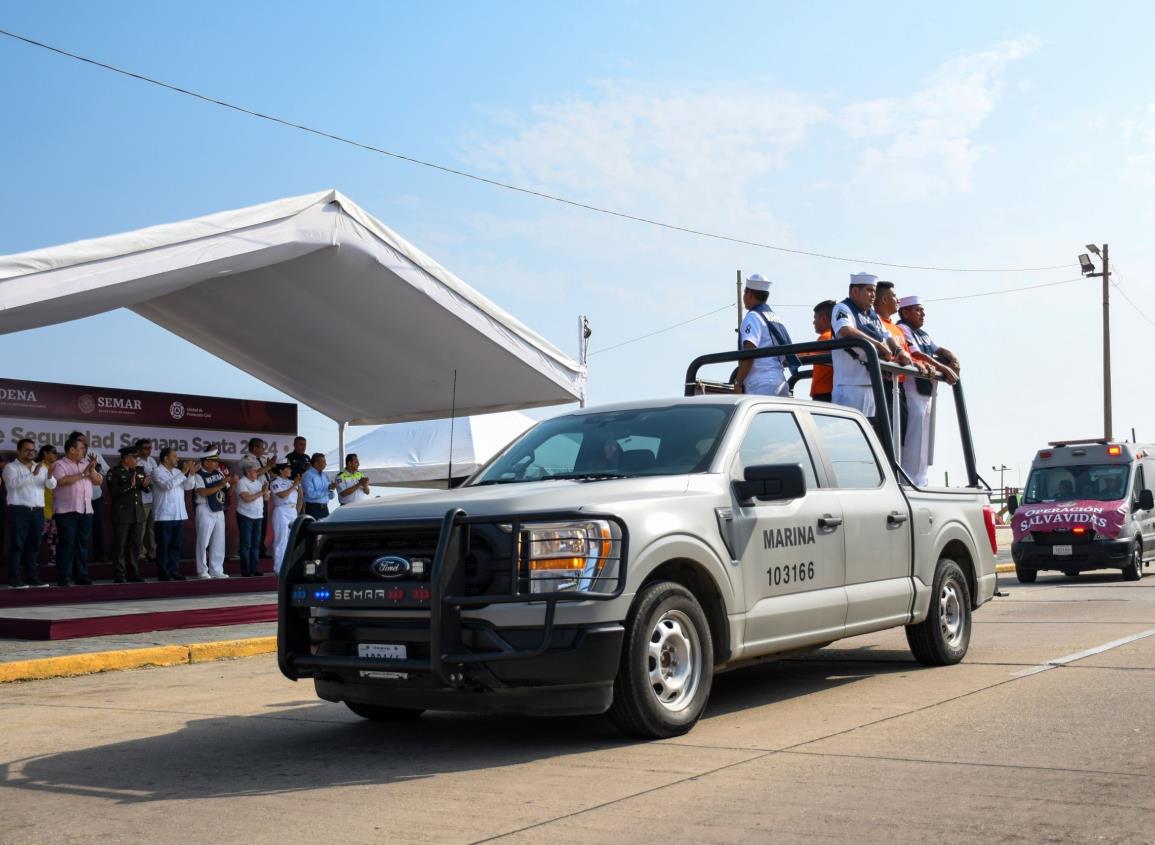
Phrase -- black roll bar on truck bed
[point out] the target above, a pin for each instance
(875, 367)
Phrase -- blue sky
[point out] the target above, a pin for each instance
(986, 135)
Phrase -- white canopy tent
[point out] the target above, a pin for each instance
(312, 296)
(417, 454)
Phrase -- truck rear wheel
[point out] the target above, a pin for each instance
(1133, 571)
(1026, 576)
(943, 637)
(380, 713)
(667, 664)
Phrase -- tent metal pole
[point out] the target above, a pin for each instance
(583, 354)
(341, 444)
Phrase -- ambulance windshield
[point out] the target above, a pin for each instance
(1100, 483)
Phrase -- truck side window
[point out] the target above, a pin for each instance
(1139, 483)
(849, 452)
(774, 438)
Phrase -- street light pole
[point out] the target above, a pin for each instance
(1088, 268)
(1106, 345)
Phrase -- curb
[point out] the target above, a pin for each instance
(73, 665)
(1003, 568)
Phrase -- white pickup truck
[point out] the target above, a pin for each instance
(614, 559)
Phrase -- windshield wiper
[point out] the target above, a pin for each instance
(578, 476)
(499, 481)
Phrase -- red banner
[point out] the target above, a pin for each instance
(85, 404)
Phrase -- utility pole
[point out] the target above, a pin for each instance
(1088, 270)
(1106, 345)
(738, 298)
(1001, 469)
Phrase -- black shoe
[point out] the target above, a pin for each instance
(176, 576)
(135, 579)
(118, 581)
(64, 583)
(18, 585)
(164, 577)
(36, 582)
(84, 582)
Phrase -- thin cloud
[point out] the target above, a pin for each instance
(922, 145)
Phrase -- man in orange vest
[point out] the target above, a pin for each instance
(822, 379)
(886, 304)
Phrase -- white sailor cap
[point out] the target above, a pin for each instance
(863, 279)
(908, 301)
(758, 282)
(210, 455)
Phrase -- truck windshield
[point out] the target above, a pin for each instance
(1102, 483)
(614, 444)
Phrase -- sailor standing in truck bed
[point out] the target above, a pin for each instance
(855, 317)
(760, 329)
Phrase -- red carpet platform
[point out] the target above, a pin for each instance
(105, 608)
(68, 621)
(151, 589)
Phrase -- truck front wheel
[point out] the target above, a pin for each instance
(943, 637)
(667, 664)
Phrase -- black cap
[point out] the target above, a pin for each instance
(129, 452)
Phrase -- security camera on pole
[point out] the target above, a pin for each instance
(1088, 269)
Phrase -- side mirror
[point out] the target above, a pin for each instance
(1146, 500)
(771, 482)
(1012, 503)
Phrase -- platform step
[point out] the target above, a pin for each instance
(62, 622)
(109, 592)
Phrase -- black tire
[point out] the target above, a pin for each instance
(1071, 573)
(380, 713)
(943, 637)
(1026, 576)
(667, 617)
(1133, 571)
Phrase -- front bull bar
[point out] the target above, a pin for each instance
(448, 655)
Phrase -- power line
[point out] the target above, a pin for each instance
(796, 305)
(1123, 293)
(506, 185)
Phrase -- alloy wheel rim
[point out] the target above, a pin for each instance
(674, 660)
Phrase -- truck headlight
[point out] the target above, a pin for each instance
(567, 556)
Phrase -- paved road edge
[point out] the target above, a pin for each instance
(73, 665)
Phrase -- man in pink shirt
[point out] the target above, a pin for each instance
(72, 507)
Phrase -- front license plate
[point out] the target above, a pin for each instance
(384, 651)
(1062, 550)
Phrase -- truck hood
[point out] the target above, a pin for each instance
(1106, 519)
(526, 497)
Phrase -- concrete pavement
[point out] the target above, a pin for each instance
(853, 742)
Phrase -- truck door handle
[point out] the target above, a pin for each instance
(896, 518)
(828, 521)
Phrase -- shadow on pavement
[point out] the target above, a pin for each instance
(303, 745)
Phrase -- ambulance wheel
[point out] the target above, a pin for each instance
(1026, 576)
(943, 637)
(380, 713)
(1071, 573)
(1133, 571)
(667, 664)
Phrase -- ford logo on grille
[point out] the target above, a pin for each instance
(390, 566)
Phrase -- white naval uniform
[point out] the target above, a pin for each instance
(210, 535)
(916, 442)
(766, 376)
(284, 512)
(851, 377)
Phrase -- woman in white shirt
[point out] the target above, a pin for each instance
(286, 497)
(252, 493)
